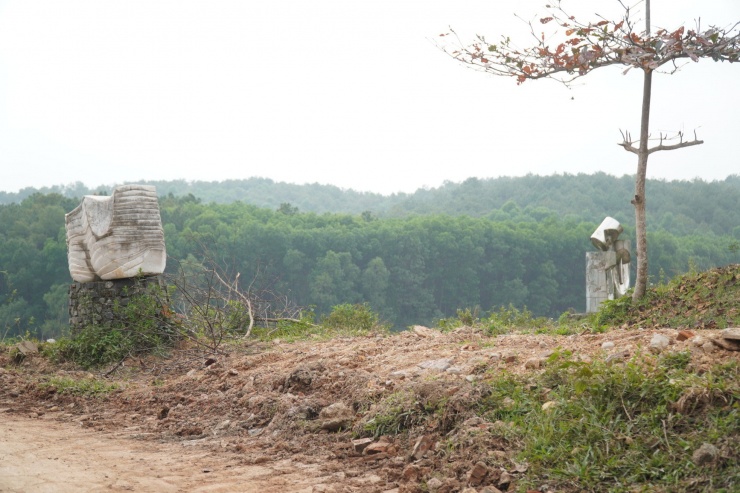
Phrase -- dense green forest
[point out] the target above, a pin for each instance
(413, 258)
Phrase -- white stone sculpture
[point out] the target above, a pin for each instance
(607, 271)
(116, 237)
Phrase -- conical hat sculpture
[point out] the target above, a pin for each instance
(116, 237)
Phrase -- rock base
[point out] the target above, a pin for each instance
(102, 302)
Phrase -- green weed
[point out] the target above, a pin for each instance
(615, 428)
(82, 387)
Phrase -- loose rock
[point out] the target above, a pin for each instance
(659, 342)
(684, 335)
(706, 454)
(477, 473)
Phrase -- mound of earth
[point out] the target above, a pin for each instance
(703, 300)
(311, 409)
(364, 414)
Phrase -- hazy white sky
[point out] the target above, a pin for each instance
(353, 94)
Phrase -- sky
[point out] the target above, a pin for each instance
(353, 94)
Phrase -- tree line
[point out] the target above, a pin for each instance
(679, 206)
(410, 269)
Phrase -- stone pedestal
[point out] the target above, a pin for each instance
(599, 285)
(101, 302)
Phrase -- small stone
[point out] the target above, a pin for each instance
(684, 335)
(659, 342)
(477, 473)
(434, 484)
(27, 347)
(361, 444)
(411, 473)
(706, 454)
(533, 363)
(508, 402)
(422, 446)
(728, 344)
(698, 341)
(334, 410)
(607, 345)
(731, 333)
(471, 378)
(380, 448)
(504, 480)
(708, 347)
(549, 405)
(618, 356)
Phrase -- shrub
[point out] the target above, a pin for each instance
(356, 319)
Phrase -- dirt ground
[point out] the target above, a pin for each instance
(48, 456)
(277, 417)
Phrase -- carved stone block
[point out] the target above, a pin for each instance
(116, 237)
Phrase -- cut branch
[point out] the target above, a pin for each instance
(671, 147)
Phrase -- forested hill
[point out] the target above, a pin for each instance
(681, 207)
(411, 269)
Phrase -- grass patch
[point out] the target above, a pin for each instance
(345, 320)
(628, 427)
(84, 387)
(503, 320)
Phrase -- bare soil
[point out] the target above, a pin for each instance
(254, 416)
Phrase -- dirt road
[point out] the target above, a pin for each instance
(39, 455)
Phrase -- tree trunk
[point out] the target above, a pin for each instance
(639, 200)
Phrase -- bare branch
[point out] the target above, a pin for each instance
(672, 147)
(629, 145)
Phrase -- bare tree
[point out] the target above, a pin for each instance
(584, 47)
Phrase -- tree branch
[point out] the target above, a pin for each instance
(671, 147)
(629, 146)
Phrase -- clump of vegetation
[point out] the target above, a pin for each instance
(346, 320)
(405, 409)
(699, 300)
(82, 387)
(357, 319)
(504, 320)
